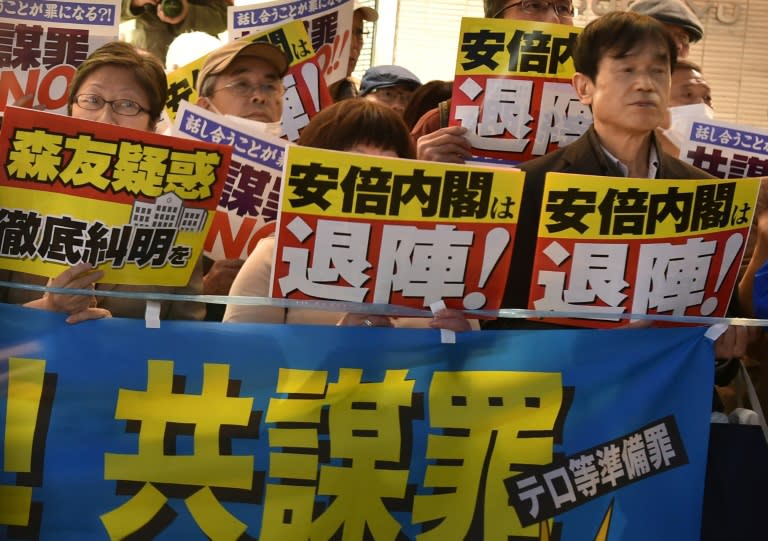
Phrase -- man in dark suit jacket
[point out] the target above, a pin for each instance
(623, 66)
(585, 156)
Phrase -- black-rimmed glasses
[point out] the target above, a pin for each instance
(94, 102)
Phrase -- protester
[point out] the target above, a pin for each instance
(623, 64)
(438, 142)
(245, 79)
(677, 18)
(347, 87)
(389, 85)
(156, 29)
(353, 125)
(426, 97)
(121, 85)
(689, 86)
(688, 89)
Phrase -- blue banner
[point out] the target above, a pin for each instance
(249, 431)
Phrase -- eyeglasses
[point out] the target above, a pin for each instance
(391, 95)
(563, 10)
(94, 102)
(244, 89)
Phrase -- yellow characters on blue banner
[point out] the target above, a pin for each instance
(200, 430)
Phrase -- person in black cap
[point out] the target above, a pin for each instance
(677, 17)
(390, 85)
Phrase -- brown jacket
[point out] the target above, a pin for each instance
(584, 156)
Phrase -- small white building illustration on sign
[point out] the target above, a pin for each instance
(168, 212)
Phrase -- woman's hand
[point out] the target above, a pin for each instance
(80, 276)
(450, 319)
(89, 313)
(364, 320)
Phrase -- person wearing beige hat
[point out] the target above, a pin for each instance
(245, 79)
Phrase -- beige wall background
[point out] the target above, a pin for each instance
(422, 35)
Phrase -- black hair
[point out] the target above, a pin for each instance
(617, 33)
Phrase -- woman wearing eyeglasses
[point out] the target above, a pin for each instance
(121, 85)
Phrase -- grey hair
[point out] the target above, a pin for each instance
(207, 88)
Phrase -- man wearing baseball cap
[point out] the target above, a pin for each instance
(242, 78)
(677, 17)
(347, 87)
(390, 85)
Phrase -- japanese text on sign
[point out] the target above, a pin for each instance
(633, 211)
(454, 194)
(45, 156)
(512, 88)
(726, 150)
(61, 12)
(384, 230)
(590, 474)
(362, 415)
(25, 47)
(611, 246)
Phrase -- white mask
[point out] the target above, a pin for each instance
(681, 118)
(274, 129)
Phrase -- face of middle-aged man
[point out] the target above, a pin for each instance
(630, 94)
(689, 88)
(249, 88)
(540, 11)
(116, 84)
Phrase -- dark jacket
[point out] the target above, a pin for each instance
(584, 156)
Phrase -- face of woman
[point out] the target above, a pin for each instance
(111, 94)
